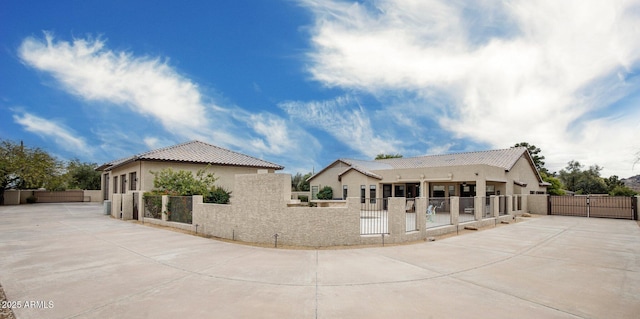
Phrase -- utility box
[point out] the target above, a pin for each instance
(107, 207)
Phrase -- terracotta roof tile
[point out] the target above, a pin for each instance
(195, 152)
(504, 158)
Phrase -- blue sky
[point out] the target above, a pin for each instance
(302, 83)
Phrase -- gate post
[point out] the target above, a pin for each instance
(634, 205)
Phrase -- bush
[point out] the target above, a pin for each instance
(218, 196)
(325, 193)
(303, 198)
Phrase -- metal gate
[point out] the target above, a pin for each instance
(594, 206)
(135, 206)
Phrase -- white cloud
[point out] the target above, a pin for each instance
(146, 85)
(149, 86)
(345, 120)
(511, 71)
(276, 138)
(61, 135)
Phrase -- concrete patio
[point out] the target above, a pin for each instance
(88, 265)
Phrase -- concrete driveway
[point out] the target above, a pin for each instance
(70, 261)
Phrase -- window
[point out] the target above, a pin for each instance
(344, 191)
(372, 193)
(363, 191)
(491, 190)
(105, 183)
(115, 184)
(438, 191)
(123, 183)
(132, 181)
(399, 191)
(452, 190)
(314, 192)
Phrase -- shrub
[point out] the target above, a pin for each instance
(303, 198)
(325, 193)
(217, 196)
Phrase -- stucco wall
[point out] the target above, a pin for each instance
(260, 211)
(523, 172)
(354, 181)
(538, 204)
(143, 169)
(12, 197)
(330, 178)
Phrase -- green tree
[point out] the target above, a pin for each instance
(27, 168)
(299, 182)
(325, 193)
(82, 175)
(570, 176)
(622, 191)
(185, 183)
(617, 188)
(538, 160)
(556, 184)
(582, 181)
(385, 156)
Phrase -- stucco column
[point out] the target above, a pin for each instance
(396, 217)
(421, 215)
(196, 211)
(140, 195)
(478, 203)
(495, 205)
(127, 206)
(165, 207)
(455, 210)
(481, 186)
(116, 203)
(424, 190)
(508, 210)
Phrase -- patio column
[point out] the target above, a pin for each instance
(140, 195)
(481, 187)
(127, 206)
(165, 207)
(495, 204)
(424, 190)
(455, 210)
(478, 210)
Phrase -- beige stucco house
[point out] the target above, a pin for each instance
(133, 173)
(495, 172)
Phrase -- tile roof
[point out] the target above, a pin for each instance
(195, 152)
(504, 158)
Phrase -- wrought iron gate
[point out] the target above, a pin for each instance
(594, 206)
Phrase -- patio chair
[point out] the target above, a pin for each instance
(431, 211)
(410, 206)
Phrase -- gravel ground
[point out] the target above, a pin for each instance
(5, 313)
